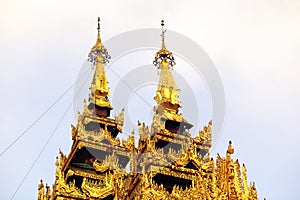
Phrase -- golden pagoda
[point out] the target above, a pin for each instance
(167, 163)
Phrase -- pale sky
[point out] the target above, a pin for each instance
(253, 44)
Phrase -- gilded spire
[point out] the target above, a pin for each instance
(167, 91)
(98, 49)
(98, 57)
(163, 53)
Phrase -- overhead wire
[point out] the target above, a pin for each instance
(41, 115)
(49, 139)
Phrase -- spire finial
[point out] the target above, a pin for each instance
(98, 49)
(98, 25)
(230, 149)
(98, 28)
(163, 30)
(163, 54)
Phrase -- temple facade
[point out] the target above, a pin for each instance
(166, 163)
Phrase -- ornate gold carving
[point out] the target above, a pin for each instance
(41, 189)
(120, 120)
(74, 132)
(97, 189)
(109, 163)
(153, 173)
(80, 145)
(99, 89)
(129, 144)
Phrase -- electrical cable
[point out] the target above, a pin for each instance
(49, 139)
(44, 113)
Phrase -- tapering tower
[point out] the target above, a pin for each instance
(169, 137)
(167, 164)
(169, 128)
(173, 165)
(97, 160)
(99, 91)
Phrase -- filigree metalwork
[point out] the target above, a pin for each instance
(93, 56)
(163, 55)
(98, 53)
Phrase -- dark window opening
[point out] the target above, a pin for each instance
(77, 179)
(169, 182)
(113, 131)
(202, 152)
(191, 165)
(100, 111)
(109, 197)
(172, 126)
(167, 146)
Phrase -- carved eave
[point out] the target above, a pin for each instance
(76, 145)
(165, 104)
(101, 137)
(201, 143)
(85, 173)
(90, 188)
(97, 148)
(117, 150)
(175, 171)
(172, 176)
(186, 159)
(177, 118)
(97, 101)
(101, 151)
(204, 141)
(117, 122)
(164, 167)
(168, 136)
(95, 118)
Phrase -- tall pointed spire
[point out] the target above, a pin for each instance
(167, 91)
(99, 90)
(163, 53)
(97, 49)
